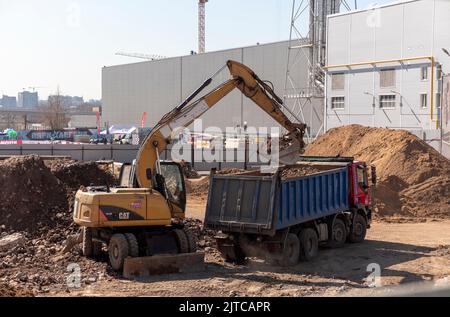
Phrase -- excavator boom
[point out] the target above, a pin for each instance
(244, 79)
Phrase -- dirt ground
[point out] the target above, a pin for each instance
(406, 252)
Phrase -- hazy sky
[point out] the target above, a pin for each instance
(46, 43)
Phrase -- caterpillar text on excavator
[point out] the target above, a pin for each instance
(145, 218)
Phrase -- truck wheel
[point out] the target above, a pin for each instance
(309, 244)
(87, 244)
(291, 251)
(118, 251)
(338, 234)
(359, 229)
(133, 245)
(191, 240)
(182, 241)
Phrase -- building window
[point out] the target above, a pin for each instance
(387, 78)
(388, 101)
(423, 100)
(337, 102)
(438, 100)
(424, 73)
(338, 81)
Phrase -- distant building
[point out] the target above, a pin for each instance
(8, 102)
(28, 99)
(68, 101)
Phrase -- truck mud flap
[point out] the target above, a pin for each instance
(163, 264)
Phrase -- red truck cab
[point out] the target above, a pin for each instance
(360, 194)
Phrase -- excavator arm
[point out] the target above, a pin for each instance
(244, 79)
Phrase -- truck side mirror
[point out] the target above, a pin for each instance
(373, 172)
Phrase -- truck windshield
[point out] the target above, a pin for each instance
(362, 177)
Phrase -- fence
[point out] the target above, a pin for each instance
(240, 156)
(118, 153)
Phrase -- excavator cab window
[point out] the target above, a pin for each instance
(171, 181)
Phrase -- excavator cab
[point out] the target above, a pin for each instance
(171, 184)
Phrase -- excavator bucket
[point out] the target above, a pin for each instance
(163, 264)
(290, 154)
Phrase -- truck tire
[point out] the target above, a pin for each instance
(309, 244)
(133, 245)
(338, 234)
(191, 240)
(118, 251)
(359, 229)
(182, 241)
(87, 243)
(291, 251)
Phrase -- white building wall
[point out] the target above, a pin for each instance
(402, 30)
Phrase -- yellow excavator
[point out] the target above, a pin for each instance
(145, 218)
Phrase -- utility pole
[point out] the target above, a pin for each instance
(201, 26)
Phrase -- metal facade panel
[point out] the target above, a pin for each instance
(388, 33)
(418, 28)
(129, 90)
(362, 36)
(338, 39)
(196, 69)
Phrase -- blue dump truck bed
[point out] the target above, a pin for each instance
(263, 204)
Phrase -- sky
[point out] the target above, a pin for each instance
(64, 43)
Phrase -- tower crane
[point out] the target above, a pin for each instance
(201, 26)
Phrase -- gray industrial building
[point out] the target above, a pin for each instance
(156, 87)
(385, 67)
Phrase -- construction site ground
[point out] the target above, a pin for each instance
(406, 252)
(409, 239)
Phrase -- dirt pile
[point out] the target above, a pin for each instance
(300, 171)
(40, 265)
(203, 237)
(414, 179)
(75, 174)
(10, 291)
(32, 197)
(199, 188)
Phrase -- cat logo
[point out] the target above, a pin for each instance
(124, 215)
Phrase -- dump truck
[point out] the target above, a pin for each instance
(284, 216)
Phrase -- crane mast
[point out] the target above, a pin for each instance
(201, 26)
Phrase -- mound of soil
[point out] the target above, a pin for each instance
(10, 291)
(200, 188)
(413, 178)
(75, 174)
(32, 197)
(300, 171)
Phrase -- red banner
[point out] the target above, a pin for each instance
(144, 119)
